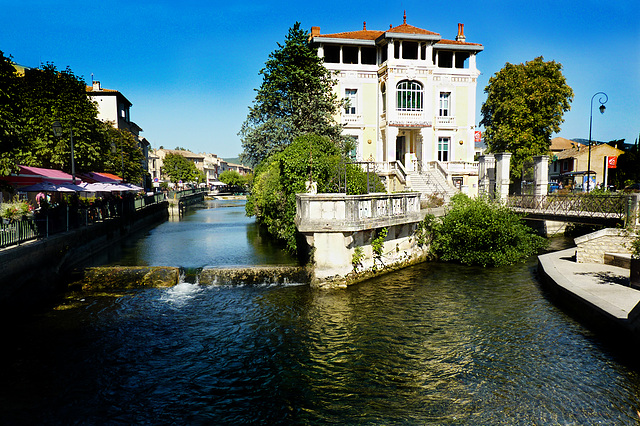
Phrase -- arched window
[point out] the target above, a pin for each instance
(409, 96)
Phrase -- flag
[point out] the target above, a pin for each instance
(612, 162)
(477, 136)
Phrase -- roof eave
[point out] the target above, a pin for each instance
(335, 40)
(407, 36)
(466, 47)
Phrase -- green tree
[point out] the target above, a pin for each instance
(10, 116)
(628, 167)
(30, 104)
(50, 95)
(124, 157)
(280, 177)
(232, 178)
(295, 98)
(524, 107)
(478, 232)
(178, 168)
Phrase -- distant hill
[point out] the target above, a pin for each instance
(235, 160)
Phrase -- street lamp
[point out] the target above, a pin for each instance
(602, 108)
(57, 130)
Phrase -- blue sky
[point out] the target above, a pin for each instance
(190, 67)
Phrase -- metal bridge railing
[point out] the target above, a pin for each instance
(571, 205)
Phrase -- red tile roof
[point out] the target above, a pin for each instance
(400, 29)
(410, 29)
(357, 35)
(90, 89)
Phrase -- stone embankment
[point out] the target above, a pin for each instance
(33, 273)
(340, 231)
(588, 282)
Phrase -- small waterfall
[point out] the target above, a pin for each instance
(122, 277)
(256, 276)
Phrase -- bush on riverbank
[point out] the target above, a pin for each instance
(479, 232)
(282, 175)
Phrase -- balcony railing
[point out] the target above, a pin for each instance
(445, 121)
(408, 118)
(464, 167)
(340, 212)
(351, 119)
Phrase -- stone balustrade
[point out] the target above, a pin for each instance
(337, 226)
(347, 213)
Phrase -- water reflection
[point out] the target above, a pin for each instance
(430, 344)
(217, 233)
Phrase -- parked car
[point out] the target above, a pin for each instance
(633, 187)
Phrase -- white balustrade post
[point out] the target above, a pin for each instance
(503, 163)
(541, 175)
(486, 175)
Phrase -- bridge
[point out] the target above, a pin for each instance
(608, 209)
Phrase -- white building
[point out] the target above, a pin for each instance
(411, 102)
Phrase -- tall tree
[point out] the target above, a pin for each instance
(10, 115)
(51, 95)
(124, 157)
(524, 107)
(296, 97)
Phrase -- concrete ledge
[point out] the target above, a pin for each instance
(596, 292)
(622, 260)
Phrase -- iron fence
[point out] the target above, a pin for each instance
(571, 205)
(64, 217)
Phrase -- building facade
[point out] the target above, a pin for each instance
(114, 107)
(569, 167)
(410, 98)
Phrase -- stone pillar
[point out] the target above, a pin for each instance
(541, 175)
(392, 134)
(486, 175)
(503, 164)
(632, 219)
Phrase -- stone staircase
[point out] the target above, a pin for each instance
(431, 182)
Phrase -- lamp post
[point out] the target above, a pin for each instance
(602, 108)
(57, 130)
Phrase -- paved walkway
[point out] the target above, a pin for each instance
(602, 288)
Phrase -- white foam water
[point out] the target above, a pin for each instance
(181, 292)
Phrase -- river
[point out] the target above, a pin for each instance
(431, 344)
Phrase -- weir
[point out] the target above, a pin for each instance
(130, 277)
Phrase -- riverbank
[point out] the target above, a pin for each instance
(598, 294)
(34, 273)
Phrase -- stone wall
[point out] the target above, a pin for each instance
(33, 273)
(338, 226)
(592, 247)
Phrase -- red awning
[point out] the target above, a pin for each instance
(32, 175)
(101, 177)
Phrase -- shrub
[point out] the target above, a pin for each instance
(278, 178)
(477, 232)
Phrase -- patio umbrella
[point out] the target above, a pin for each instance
(132, 187)
(51, 187)
(96, 187)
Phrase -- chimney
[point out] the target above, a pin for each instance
(364, 26)
(96, 86)
(315, 31)
(460, 36)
